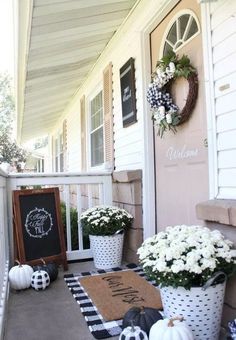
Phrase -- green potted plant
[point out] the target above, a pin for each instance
(105, 226)
(190, 264)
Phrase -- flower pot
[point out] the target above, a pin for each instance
(201, 309)
(107, 250)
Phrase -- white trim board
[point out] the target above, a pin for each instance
(149, 205)
(210, 101)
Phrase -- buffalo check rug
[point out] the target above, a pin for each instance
(98, 326)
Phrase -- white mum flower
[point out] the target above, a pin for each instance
(208, 264)
(168, 118)
(178, 266)
(172, 67)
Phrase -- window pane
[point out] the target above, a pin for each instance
(167, 49)
(97, 145)
(61, 142)
(61, 162)
(96, 120)
(97, 154)
(172, 37)
(56, 164)
(183, 20)
(193, 29)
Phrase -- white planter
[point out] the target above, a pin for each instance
(107, 250)
(202, 309)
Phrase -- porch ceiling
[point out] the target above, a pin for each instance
(59, 41)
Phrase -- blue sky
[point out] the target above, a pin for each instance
(6, 36)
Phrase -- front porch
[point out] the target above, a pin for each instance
(51, 314)
(57, 315)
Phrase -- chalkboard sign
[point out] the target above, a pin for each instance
(128, 100)
(38, 227)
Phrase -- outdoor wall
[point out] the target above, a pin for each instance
(73, 140)
(127, 194)
(220, 212)
(221, 215)
(127, 43)
(223, 23)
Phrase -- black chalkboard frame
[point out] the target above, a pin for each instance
(128, 93)
(60, 257)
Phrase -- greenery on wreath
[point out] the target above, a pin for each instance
(186, 256)
(165, 113)
(103, 220)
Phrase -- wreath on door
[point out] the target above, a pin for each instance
(165, 113)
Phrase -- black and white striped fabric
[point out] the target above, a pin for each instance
(99, 328)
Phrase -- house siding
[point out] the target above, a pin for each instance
(223, 22)
(128, 141)
(128, 145)
(73, 140)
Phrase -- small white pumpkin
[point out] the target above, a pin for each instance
(134, 333)
(40, 280)
(20, 276)
(168, 329)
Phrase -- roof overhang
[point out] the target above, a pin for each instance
(57, 43)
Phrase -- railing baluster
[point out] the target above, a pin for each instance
(68, 225)
(79, 211)
(100, 193)
(90, 196)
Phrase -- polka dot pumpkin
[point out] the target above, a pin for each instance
(40, 280)
(133, 333)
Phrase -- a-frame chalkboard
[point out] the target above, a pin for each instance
(38, 226)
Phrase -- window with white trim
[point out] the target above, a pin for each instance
(59, 155)
(96, 131)
(183, 29)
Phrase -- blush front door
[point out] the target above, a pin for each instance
(181, 159)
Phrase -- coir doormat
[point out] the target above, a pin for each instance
(115, 293)
(98, 325)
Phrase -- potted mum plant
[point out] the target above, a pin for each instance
(190, 264)
(105, 226)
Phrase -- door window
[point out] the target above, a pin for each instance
(181, 30)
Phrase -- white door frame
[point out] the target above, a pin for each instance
(210, 100)
(149, 204)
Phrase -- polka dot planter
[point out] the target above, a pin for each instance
(107, 250)
(200, 308)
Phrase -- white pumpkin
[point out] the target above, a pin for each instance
(20, 276)
(168, 329)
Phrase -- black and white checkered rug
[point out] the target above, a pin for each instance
(99, 328)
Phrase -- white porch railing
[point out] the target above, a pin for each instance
(4, 249)
(77, 191)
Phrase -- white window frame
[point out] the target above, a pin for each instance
(58, 151)
(93, 94)
(175, 17)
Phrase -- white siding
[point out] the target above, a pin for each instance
(73, 140)
(129, 141)
(223, 30)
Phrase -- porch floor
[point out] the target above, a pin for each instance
(50, 314)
